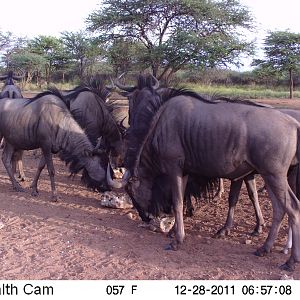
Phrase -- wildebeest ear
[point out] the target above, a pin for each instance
(88, 153)
(124, 93)
(111, 87)
(3, 77)
(98, 151)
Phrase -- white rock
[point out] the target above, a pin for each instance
(112, 200)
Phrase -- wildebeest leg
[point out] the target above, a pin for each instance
(292, 179)
(234, 192)
(220, 189)
(275, 195)
(40, 168)
(7, 155)
(253, 195)
(178, 188)
(22, 176)
(17, 161)
(289, 242)
(293, 211)
(51, 171)
(283, 200)
(45, 159)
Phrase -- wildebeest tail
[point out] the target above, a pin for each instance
(298, 166)
(197, 189)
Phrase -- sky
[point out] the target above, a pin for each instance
(271, 15)
(39, 17)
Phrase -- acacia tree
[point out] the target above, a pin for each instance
(176, 32)
(5, 39)
(31, 63)
(51, 48)
(81, 48)
(124, 55)
(282, 52)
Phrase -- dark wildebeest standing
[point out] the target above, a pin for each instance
(140, 114)
(10, 90)
(89, 108)
(293, 177)
(191, 135)
(45, 122)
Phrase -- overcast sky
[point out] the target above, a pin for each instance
(39, 17)
(34, 17)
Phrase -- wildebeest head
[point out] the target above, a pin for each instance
(139, 95)
(143, 103)
(140, 191)
(10, 90)
(10, 77)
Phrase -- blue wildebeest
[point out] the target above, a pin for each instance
(293, 177)
(217, 139)
(90, 109)
(45, 122)
(10, 90)
(140, 114)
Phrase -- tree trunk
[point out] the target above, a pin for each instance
(291, 84)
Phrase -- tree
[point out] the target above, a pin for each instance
(51, 48)
(176, 32)
(5, 39)
(282, 52)
(82, 49)
(31, 63)
(124, 55)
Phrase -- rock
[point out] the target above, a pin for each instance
(164, 224)
(112, 200)
(286, 277)
(1, 225)
(248, 242)
(119, 173)
(131, 216)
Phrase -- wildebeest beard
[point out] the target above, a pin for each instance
(75, 166)
(201, 188)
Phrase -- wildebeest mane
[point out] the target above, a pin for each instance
(103, 111)
(200, 188)
(75, 166)
(51, 91)
(170, 93)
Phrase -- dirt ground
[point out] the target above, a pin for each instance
(77, 238)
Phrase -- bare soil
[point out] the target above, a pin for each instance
(76, 238)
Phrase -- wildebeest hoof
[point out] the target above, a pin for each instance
(54, 198)
(172, 246)
(222, 233)
(34, 193)
(286, 250)
(171, 234)
(258, 230)
(287, 267)
(262, 251)
(18, 188)
(255, 233)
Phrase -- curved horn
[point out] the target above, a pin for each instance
(156, 83)
(122, 125)
(112, 86)
(3, 77)
(115, 184)
(98, 143)
(123, 87)
(15, 77)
